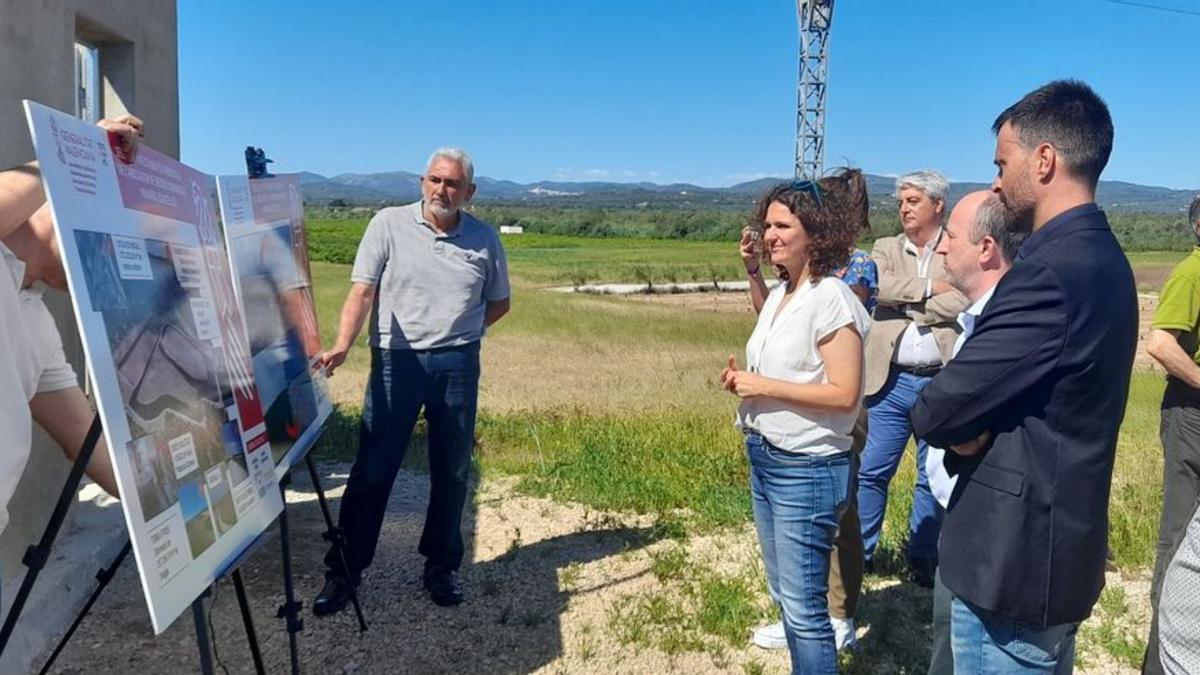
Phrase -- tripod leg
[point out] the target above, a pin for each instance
(290, 608)
(206, 659)
(334, 536)
(36, 556)
(104, 576)
(248, 622)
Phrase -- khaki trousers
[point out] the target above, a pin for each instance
(846, 560)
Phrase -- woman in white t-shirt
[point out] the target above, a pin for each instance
(801, 391)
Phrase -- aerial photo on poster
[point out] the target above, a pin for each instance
(264, 230)
(168, 354)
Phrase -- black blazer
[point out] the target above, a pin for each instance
(1047, 373)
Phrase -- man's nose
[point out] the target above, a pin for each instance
(996, 185)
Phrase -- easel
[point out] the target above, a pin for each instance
(36, 556)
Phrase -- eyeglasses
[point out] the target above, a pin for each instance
(809, 186)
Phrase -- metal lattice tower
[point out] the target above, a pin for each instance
(815, 18)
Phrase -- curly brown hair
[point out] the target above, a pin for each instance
(831, 221)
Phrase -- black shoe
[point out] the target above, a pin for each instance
(922, 572)
(333, 598)
(444, 589)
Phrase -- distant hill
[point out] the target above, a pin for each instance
(402, 186)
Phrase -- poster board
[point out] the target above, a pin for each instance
(268, 250)
(167, 353)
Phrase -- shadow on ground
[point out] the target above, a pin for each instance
(510, 622)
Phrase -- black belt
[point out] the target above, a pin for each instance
(919, 371)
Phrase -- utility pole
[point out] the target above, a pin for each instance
(815, 18)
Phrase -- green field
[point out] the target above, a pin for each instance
(613, 403)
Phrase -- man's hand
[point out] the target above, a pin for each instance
(333, 358)
(126, 130)
(739, 382)
(973, 447)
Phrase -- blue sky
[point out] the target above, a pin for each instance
(700, 91)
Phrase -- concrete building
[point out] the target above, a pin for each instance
(95, 59)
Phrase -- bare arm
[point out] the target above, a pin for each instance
(294, 310)
(67, 415)
(20, 195)
(354, 312)
(842, 353)
(1163, 345)
(495, 310)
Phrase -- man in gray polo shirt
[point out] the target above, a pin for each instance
(433, 277)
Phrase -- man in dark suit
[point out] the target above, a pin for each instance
(1032, 404)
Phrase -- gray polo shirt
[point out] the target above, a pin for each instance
(431, 288)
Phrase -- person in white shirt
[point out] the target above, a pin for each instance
(978, 250)
(35, 379)
(800, 396)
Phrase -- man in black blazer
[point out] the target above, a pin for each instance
(1032, 404)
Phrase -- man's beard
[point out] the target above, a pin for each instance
(1018, 213)
(441, 210)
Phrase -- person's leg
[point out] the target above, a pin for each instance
(1179, 431)
(805, 494)
(941, 658)
(450, 413)
(887, 435)
(846, 560)
(985, 642)
(925, 519)
(395, 392)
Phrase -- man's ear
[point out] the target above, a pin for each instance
(470, 192)
(1045, 162)
(989, 252)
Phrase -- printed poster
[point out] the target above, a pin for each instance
(268, 249)
(168, 354)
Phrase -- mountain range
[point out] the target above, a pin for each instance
(402, 186)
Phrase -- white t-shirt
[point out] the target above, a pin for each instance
(784, 347)
(19, 372)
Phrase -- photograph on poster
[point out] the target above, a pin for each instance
(167, 352)
(264, 228)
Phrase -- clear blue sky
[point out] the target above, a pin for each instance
(700, 91)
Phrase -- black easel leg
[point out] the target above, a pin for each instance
(206, 661)
(248, 622)
(290, 610)
(333, 535)
(36, 556)
(103, 576)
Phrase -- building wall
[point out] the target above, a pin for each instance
(138, 56)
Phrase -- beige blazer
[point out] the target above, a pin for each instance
(902, 301)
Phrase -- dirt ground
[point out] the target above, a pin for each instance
(542, 584)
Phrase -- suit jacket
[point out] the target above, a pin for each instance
(1046, 372)
(902, 301)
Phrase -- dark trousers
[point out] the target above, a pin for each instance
(941, 657)
(1180, 434)
(445, 382)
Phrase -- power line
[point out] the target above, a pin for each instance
(1160, 8)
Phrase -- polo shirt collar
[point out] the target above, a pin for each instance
(420, 218)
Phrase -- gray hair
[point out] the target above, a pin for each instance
(455, 155)
(991, 220)
(933, 184)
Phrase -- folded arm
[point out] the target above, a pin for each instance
(1013, 351)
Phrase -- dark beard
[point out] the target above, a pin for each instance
(1018, 218)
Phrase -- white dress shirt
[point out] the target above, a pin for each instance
(941, 483)
(917, 346)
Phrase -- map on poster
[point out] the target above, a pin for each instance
(167, 352)
(268, 248)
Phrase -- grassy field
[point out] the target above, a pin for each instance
(614, 404)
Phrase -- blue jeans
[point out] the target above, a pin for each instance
(985, 642)
(797, 499)
(887, 435)
(445, 382)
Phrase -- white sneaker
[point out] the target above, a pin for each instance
(770, 636)
(844, 634)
